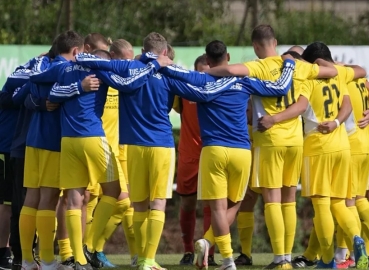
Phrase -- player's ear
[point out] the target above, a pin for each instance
(75, 51)
(228, 57)
(275, 42)
(165, 52)
(87, 48)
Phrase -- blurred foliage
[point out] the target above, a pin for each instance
(184, 23)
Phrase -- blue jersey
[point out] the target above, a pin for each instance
(8, 109)
(143, 114)
(44, 131)
(223, 121)
(82, 111)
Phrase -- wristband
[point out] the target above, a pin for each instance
(337, 122)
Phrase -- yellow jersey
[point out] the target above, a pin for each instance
(359, 138)
(325, 97)
(287, 133)
(110, 119)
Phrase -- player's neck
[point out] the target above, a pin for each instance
(223, 63)
(268, 52)
(68, 56)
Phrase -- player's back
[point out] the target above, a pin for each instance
(325, 97)
(287, 133)
(223, 120)
(81, 114)
(358, 137)
(44, 131)
(146, 115)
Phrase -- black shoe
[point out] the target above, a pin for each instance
(17, 266)
(95, 262)
(86, 266)
(281, 265)
(69, 263)
(302, 262)
(187, 259)
(88, 254)
(6, 263)
(211, 261)
(243, 260)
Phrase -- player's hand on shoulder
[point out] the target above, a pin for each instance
(164, 61)
(51, 106)
(90, 83)
(363, 122)
(265, 122)
(327, 127)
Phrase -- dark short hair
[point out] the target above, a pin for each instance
(93, 38)
(262, 33)
(68, 40)
(317, 50)
(102, 53)
(53, 52)
(201, 59)
(216, 51)
(294, 54)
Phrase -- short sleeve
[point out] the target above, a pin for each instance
(306, 88)
(350, 74)
(307, 70)
(255, 68)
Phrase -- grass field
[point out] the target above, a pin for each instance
(171, 261)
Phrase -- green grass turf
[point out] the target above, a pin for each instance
(171, 261)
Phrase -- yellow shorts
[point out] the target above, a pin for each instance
(151, 170)
(95, 190)
(122, 178)
(123, 160)
(41, 168)
(223, 173)
(359, 174)
(86, 161)
(274, 167)
(326, 175)
(249, 186)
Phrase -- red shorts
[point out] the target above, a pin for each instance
(187, 172)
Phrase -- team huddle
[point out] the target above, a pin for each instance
(86, 130)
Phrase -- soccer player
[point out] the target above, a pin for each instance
(86, 110)
(123, 214)
(281, 147)
(10, 200)
(225, 158)
(189, 149)
(326, 156)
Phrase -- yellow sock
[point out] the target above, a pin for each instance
(355, 212)
(113, 223)
(127, 224)
(275, 225)
(74, 226)
(290, 220)
(27, 229)
(103, 212)
(91, 205)
(65, 251)
(155, 225)
(345, 219)
(245, 226)
(140, 228)
(209, 236)
(340, 239)
(313, 249)
(324, 227)
(224, 245)
(362, 206)
(365, 236)
(45, 225)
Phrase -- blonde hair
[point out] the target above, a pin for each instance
(120, 44)
(170, 53)
(93, 38)
(154, 42)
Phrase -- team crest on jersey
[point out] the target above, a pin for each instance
(158, 76)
